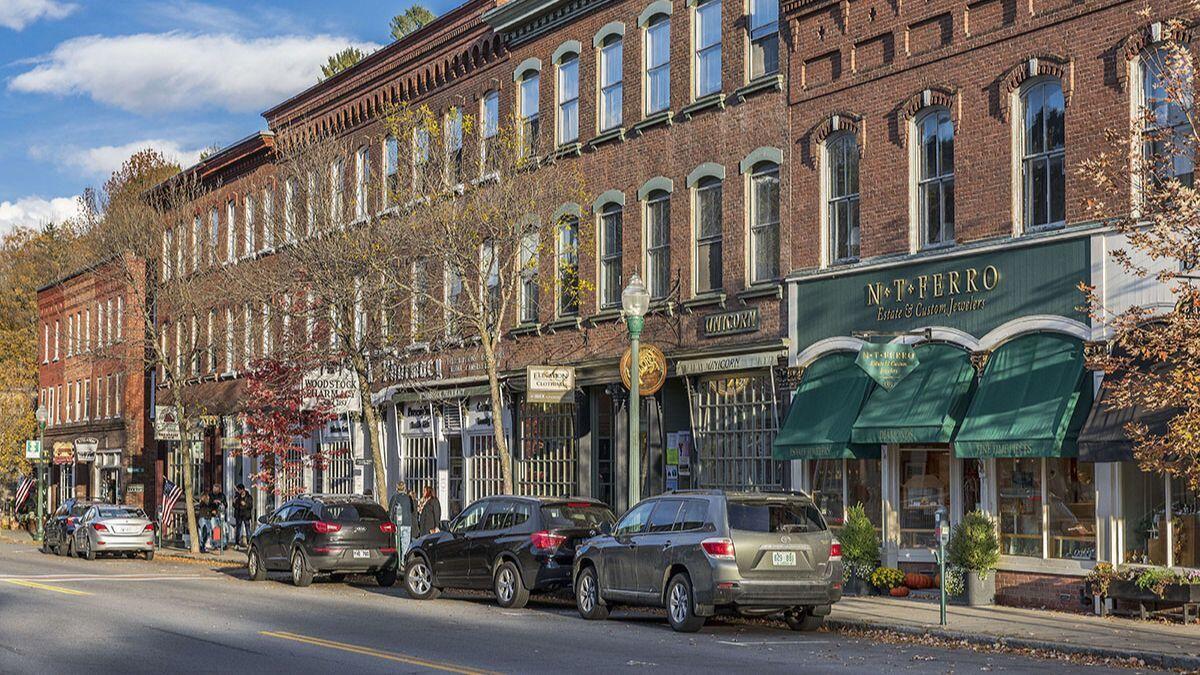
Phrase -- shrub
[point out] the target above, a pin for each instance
(860, 542)
(887, 578)
(974, 544)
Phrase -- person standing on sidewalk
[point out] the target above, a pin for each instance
(219, 529)
(429, 519)
(204, 514)
(243, 516)
(402, 511)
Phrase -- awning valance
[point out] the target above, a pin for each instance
(823, 411)
(924, 407)
(1027, 400)
(1103, 437)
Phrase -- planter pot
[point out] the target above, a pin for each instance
(980, 592)
(1175, 593)
(856, 586)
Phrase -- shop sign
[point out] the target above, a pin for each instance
(425, 370)
(64, 453)
(549, 384)
(332, 388)
(135, 488)
(652, 369)
(33, 450)
(731, 323)
(887, 364)
(166, 424)
(719, 364)
(85, 448)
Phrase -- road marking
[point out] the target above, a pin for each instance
(45, 587)
(103, 577)
(367, 651)
(773, 642)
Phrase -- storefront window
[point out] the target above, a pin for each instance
(1143, 498)
(1185, 524)
(924, 487)
(826, 478)
(735, 423)
(864, 485)
(971, 494)
(839, 483)
(1071, 496)
(1019, 492)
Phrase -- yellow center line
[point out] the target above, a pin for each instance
(367, 651)
(45, 587)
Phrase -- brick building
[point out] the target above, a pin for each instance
(93, 388)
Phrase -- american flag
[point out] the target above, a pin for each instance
(170, 494)
(23, 490)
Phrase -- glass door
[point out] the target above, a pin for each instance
(924, 488)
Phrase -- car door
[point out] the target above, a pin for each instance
(486, 541)
(620, 557)
(451, 560)
(270, 538)
(653, 546)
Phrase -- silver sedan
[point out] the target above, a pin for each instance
(107, 528)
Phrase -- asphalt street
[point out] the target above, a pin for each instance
(131, 616)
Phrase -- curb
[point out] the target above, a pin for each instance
(1155, 659)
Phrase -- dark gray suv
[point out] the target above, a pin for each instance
(698, 553)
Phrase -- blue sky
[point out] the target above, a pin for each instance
(84, 83)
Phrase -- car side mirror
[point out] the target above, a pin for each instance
(262, 520)
(606, 528)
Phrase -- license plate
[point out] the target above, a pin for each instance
(360, 553)
(783, 558)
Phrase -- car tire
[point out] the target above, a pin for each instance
(44, 549)
(418, 579)
(587, 596)
(510, 590)
(803, 620)
(387, 577)
(302, 574)
(148, 555)
(255, 569)
(89, 553)
(681, 605)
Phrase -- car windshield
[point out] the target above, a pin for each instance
(576, 515)
(120, 512)
(79, 509)
(350, 513)
(774, 516)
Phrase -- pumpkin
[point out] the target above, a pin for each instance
(899, 592)
(917, 580)
(937, 581)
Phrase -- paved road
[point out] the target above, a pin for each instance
(59, 615)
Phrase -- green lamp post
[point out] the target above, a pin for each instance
(635, 300)
(42, 417)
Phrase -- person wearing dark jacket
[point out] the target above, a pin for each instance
(429, 518)
(243, 515)
(402, 511)
(204, 511)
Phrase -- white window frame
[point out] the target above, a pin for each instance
(230, 231)
(391, 170)
(762, 27)
(566, 102)
(248, 225)
(701, 51)
(1021, 224)
(530, 292)
(453, 125)
(1140, 69)
(362, 179)
(606, 258)
(828, 238)
(656, 23)
(566, 247)
(530, 120)
(610, 91)
(489, 113)
(754, 227)
(918, 181)
(268, 219)
(648, 250)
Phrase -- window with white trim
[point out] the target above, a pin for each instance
(290, 195)
(611, 82)
(568, 266)
(391, 169)
(1166, 97)
(362, 180)
(231, 238)
(611, 233)
(709, 231)
(764, 222)
(763, 28)
(488, 152)
(229, 355)
(568, 99)
(248, 226)
(658, 243)
(197, 241)
(657, 77)
(529, 278)
(934, 136)
(454, 146)
(214, 235)
(1043, 154)
(337, 191)
(421, 156)
(268, 218)
(528, 111)
(841, 208)
(706, 60)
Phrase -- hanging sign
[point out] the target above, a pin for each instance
(85, 448)
(166, 424)
(549, 384)
(332, 388)
(652, 369)
(33, 450)
(887, 364)
(64, 453)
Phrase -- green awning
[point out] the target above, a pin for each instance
(1027, 399)
(924, 407)
(823, 410)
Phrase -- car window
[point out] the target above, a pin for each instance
(79, 509)
(301, 514)
(693, 515)
(499, 516)
(634, 521)
(521, 513)
(469, 519)
(576, 515)
(120, 512)
(662, 519)
(352, 513)
(281, 513)
(61, 511)
(775, 516)
(90, 514)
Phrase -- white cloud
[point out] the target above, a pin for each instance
(100, 162)
(35, 212)
(17, 14)
(177, 71)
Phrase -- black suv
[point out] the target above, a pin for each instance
(60, 526)
(332, 535)
(513, 545)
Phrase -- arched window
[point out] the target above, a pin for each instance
(1043, 140)
(934, 136)
(658, 64)
(658, 243)
(841, 208)
(568, 99)
(709, 235)
(1166, 100)
(611, 82)
(611, 228)
(568, 266)
(764, 222)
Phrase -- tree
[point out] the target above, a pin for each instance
(339, 62)
(1154, 357)
(410, 20)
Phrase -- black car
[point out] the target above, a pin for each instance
(512, 545)
(60, 526)
(332, 535)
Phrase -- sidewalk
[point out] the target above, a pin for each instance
(1164, 645)
(229, 556)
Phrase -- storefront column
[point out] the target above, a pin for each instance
(800, 474)
(1108, 510)
(890, 489)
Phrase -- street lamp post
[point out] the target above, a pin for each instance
(42, 417)
(635, 300)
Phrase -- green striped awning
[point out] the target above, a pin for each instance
(924, 407)
(823, 410)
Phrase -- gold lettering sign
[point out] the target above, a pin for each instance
(652, 369)
(933, 295)
(731, 323)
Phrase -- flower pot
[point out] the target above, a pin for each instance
(1120, 589)
(980, 592)
(899, 592)
(856, 586)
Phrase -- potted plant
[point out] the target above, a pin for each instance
(1143, 585)
(860, 551)
(891, 580)
(975, 547)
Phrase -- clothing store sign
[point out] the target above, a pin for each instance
(332, 388)
(166, 424)
(887, 364)
(549, 384)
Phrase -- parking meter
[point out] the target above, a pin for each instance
(941, 529)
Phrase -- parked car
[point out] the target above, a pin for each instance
(317, 534)
(59, 527)
(512, 545)
(698, 553)
(114, 530)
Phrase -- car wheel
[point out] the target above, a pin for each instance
(386, 577)
(302, 575)
(681, 608)
(44, 548)
(510, 592)
(254, 566)
(418, 579)
(88, 552)
(149, 555)
(802, 620)
(587, 596)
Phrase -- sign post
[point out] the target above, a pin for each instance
(942, 529)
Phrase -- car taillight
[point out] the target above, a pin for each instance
(835, 550)
(99, 527)
(719, 548)
(322, 549)
(325, 528)
(148, 528)
(578, 505)
(390, 528)
(547, 540)
(387, 550)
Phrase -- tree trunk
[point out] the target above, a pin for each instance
(493, 375)
(189, 500)
(371, 416)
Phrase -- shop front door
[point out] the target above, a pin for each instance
(924, 488)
